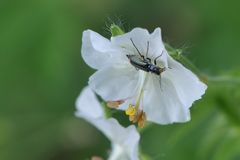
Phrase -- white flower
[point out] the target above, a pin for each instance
(163, 96)
(124, 140)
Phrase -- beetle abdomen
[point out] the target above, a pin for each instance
(144, 64)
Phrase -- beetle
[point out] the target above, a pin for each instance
(145, 64)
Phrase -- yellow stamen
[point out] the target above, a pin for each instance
(131, 110)
(141, 120)
(135, 112)
(139, 117)
(132, 118)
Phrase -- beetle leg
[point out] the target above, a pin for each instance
(155, 60)
(149, 60)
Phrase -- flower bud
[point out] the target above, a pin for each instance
(116, 30)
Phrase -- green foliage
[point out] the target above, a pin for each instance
(42, 73)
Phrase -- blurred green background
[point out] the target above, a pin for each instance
(42, 73)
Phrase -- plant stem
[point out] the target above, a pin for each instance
(223, 79)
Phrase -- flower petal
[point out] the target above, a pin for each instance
(189, 88)
(98, 51)
(116, 82)
(161, 102)
(87, 104)
(139, 37)
(157, 48)
(124, 140)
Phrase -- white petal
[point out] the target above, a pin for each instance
(98, 51)
(157, 48)
(139, 36)
(87, 104)
(156, 39)
(162, 104)
(128, 150)
(116, 82)
(187, 84)
(124, 140)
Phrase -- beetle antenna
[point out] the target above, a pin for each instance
(155, 60)
(136, 48)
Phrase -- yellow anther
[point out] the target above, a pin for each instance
(132, 118)
(135, 115)
(114, 104)
(131, 110)
(141, 120)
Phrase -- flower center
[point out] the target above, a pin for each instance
(135, 111)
